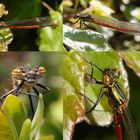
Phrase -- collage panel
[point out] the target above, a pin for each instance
(31, 99)
(31, 25)
(97, 25)
(101, 95)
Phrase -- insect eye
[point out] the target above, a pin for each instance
(17, 73)
(41, 70)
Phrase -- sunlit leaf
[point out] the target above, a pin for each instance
(26, 129)
(16, 110)
(49, 36)
(84, 40)
(132, 59)
(12, 116)
(6, 38)
(73, 74)
(100, 8)
(36, 122)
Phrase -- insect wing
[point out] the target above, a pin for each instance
(129, 125)
(31, 23)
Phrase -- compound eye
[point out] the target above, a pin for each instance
(17, 73)
(41, 70)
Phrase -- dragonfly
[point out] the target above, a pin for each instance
(26, 77)
(39, 22)
(121, 26)
(116, 99)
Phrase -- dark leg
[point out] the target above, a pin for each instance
(93, 80)
(30, 99)
(37, 93)
(17, 90)
(85, 24)
(46, 88)
(93, 65)
(96, 103)
(35, 90)
(87, 98)
(5, 95)
(31, 103)
(76, 21)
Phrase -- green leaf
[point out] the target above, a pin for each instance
(73, 84)
(84, 40)
(36, 122)
(26, 129)
(49, 40)
(27, 8)
(12, 116)
(132, 59)
(6, 38)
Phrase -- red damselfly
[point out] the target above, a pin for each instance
(116, 99)
(122, 26)
(7, 36)
(29, 24)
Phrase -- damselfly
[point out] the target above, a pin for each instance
(126, 27)
(116, 99)
(39, 22)
(26, 77)
(29, 24)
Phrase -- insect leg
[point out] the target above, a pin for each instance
(18, 87)
(93, 65)
(97, 101)
(46, 88)
(31, 103)
(86, 98)
(5, 95)
(76, 21)
(36, 91)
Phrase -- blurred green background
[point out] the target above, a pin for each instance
(53, 116)
(31, 39)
